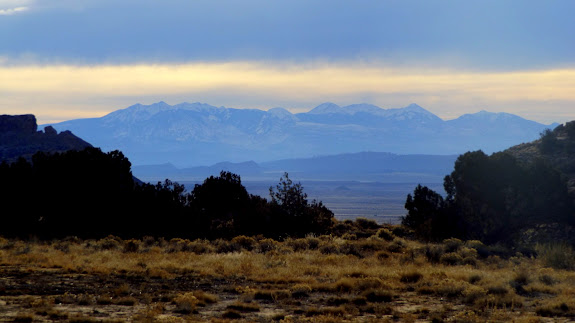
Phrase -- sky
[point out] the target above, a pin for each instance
(69, 59)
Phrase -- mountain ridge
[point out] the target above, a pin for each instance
(191, 134)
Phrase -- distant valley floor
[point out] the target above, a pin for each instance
(382, 202)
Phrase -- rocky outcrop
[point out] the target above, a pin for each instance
(22, 124)
(19, 137)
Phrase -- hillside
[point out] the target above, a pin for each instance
(556, 147)
(195, 134)
(521, 196)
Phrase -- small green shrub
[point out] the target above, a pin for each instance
(110, 243)
(329, 249)
(557, 256)
(267, 245)
(313, 243)
(467, 252)
(397, 245)
(385, 234)
(433, 252)
(474, 293)
(474, 278)
(371, 245)
(470, 261)
(177, 245)
(131, 245)
(482, 250)
(522, 277)
(199, 247)
(547, 280)
(349, 236)
(451, 259)
(450, 288)
(185, 303)
(224, 246)
(366, 224)
(247, 243)
(452, 244)
(298, 244)
(351, 249)
(149, 241)
(345, 285)
(401, 231)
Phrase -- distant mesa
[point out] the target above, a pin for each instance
(19, 137)
(22, 124)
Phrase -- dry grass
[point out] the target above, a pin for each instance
(318, 279)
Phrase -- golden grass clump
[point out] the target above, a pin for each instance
(185, 303)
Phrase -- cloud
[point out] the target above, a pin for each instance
(12, 11)
(12, 7)
(542, 95)
(503, 35)
(13, 3)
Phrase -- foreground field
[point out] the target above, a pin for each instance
(376, 278)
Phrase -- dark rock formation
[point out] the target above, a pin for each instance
(23, 124)
(19, 137)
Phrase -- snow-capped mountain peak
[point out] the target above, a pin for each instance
(327, 108)
(280, 113)
(364, 107)
(412, 112)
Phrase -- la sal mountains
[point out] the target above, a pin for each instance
(193, 134)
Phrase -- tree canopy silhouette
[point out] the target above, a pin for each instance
(290, 203)
(491, 198)
(92, 194)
